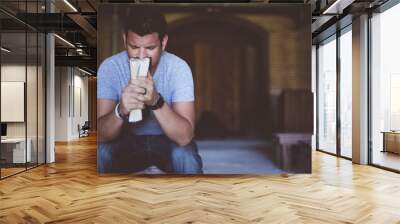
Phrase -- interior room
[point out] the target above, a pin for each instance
(230, 117)
(22, 98)
(280, 97)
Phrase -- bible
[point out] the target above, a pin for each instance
(139, 69)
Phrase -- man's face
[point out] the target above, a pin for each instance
(148, 45)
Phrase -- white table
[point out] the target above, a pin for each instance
(17, 146)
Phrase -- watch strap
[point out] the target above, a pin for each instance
(119, 114)
(158, 104)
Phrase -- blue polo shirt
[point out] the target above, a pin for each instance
(173, 80)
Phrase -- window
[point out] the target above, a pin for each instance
(327, 95)
(346, 93)
(385, 88)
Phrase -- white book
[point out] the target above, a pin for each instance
(139, 68)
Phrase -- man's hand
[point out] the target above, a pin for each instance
(145, 89)
(130, 99)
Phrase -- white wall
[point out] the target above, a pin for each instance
(13, 73)
(79, 102)
(33, 126)
(61, 103)
(71, 94)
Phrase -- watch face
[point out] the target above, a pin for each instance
(159, 103)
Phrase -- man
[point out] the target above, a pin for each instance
(164, 137)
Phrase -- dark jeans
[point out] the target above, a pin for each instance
(131, 153)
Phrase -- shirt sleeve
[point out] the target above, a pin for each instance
(182, 82)
(106, 81)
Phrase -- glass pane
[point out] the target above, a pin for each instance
(23, 84)
(32, 88)
(31, 100)
(386, 89)
(327, 96)
(346, 94)
(13, 85)
(41, 98)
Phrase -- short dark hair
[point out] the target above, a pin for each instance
(145, 22)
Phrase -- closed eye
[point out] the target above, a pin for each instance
(133, 47)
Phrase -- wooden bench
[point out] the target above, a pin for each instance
(293, 152)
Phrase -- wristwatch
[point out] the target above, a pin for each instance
(119, 114)
(159, 103)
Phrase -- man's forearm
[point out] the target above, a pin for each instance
(109, 127)
(176, 127)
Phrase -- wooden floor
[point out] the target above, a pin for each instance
(10, 171)
(70, 191)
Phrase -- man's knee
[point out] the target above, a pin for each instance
(186, 159)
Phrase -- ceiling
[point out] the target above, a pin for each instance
(76, 22)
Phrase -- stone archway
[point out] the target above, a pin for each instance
(227, 56)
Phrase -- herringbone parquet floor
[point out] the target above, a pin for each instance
(70, 191)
